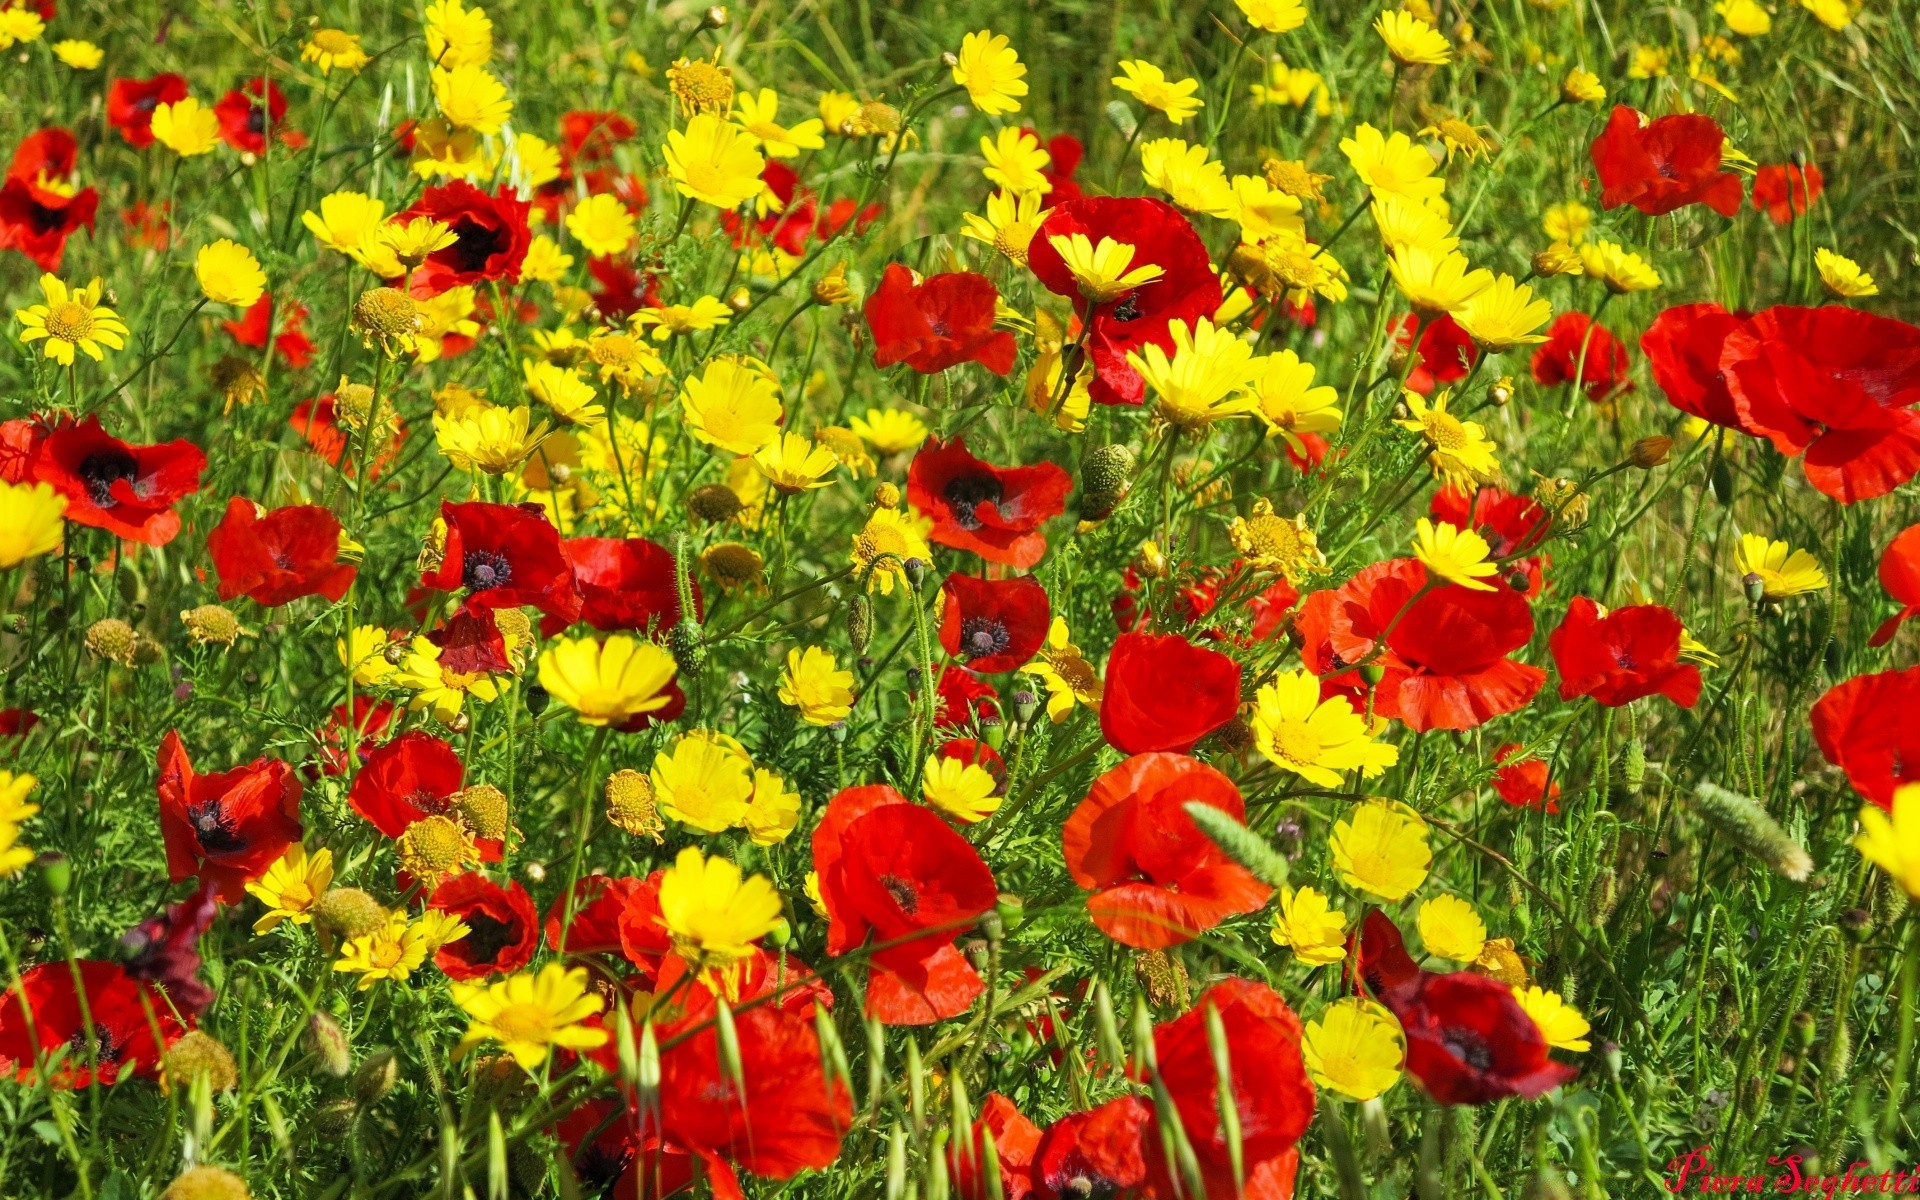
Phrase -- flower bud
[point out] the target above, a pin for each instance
(536, 699)
(327, 1042)
(831, 288)
(1650, 452)
(860, 622)
(56, 871)
(376, 1076)
(1501, 393)
(714, 18)
(1749, 827)
(1756, 588)
(1106, 476)
(1373, 672)
(1025, 704)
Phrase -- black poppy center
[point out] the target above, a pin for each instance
(44, 220)
(475, 244)
(101, 471)
(903, 893)
(101, 1047)
(214, 828)
(1469, 1047)
(483, 569)
(146, 104)
(1090, 1187)
(1128, 308)
(601, 1166)
(256, 120)
(983, 636)
(967, 492)
(487, 936)
(1623, 657)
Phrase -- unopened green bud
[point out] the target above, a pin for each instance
(1106, 476)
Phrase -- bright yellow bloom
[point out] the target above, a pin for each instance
(1069, 678)
(1582, 86)
(1436, 283)
(471, 98)
(1649, 62)
(563, 390)
(795, 463)
(229, 274)
(1287, 400)
(1618, 267)
(1308, 924)
(1011, 221)
(1150, 86)
(440, 148)
(1888, 841)
(1462, 453)
(1262, 210)
(602, 225)
(438, 687)
(1318, 740)
(1380, 847)
(1567, 222)
(546, 262)
(186, 127)
(291, 885)
(756, 115)
(1560, 1023)
(1505, 315)
(1271, 542)
(1451, 929)
(963, 791)
(539, 163)
(1842, 276)
(14, 810)
(815, 684)
(677, 320)
(20, 23)
(732, 406)
(1190, 178)
(702, 783)
(1834, 14)
(711, 912)
(491, 439)
(1394, 164)
(885, 544)
(1411, 224)
(334, 49)
(367, 656)
(458, 36)
(1355, 1047)
(1104, 272)
(78, 54)
(889, 430)
(773, 812)
(1411, 41)
(1455, 555)
(1781, 570)
(397, 949)
(714, 161)
(840, 112)
(529, 1014)
(991, 71)
(1204, 380)
(1015, 160)
(31, 521)
(72, 318)
(1274, 16)
(607, 682)
(350, 223)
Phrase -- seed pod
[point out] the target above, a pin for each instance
(1722, 482)
(211, 624)
(715, 502)
(1106, 476)
(56, 872)
(484, 809)
(685, 644)
(348, 913)
(112, 639)
(860, 622)
(198, 1053)
(1742, 821)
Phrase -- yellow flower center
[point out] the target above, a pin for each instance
(522, 1023)
(334, 41)
(874, 542)
(1012, 240)
(1444, 431)
(1271, 537)
(702, 87)
(1295, 741)
(70, 322)
(432, 846)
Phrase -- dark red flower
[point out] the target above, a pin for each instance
(491, 236)
(616, 1163)
(250, 114)
(165, 950)
(293, 346)
(127, 490)
(996, 512)
(1599, 361)
(1098, 1153)
(1446, 352)
(1186, 290)
(505, 556)
(130, 105)
(1900, 576)
(1162, 692)
(1014, 1141)
(124, 1027)
(1627, 654)
(226, 828)
(623, 290)
(502, 926)
(17, 722)
(893, 871)
(38, 207)
(277, 557)
(1468, 1039)
(624, 583)
(961, 696)
(1684, 346)
(1836, 384)
(1522, 781)
(593, 924)
(1786, 191)
(1512, 525)
(1865, 727)
(994, 625)
(1157, 881)
(936, 323)
(1663, 165)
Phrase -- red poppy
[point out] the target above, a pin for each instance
(293, 346)
(994, 625)
(1622, 656)
(251, 113)
(502, 926)
(130, 105)
(1602, 371)
(1098, 1153)
(1865, 727)
(123, 1026)
(1014, 1141)
(1786, 191)
(1834, 383)
(1064, 153)
(643, 937)
(1273, 1098)
(1195, 593)
(1900, 576)
(1157, 881)
(1512, 525)
(617, 1162)
(38, 207)
(491, 236)
(1468, 1039)
(165, 950)
(1446, 352)
(127, 490)
(895, 872)
(936, 323)
(411, 778)
(593, 927)
(1663, 165)
(1684, 347)
(277, 557)
(1186, 290)
(1165, 693)
(789, 227)
(961, 697)
(17, 722)
(371, 719)
(623, 290)
(841, 212)
(1522, 780)
(624, 583)
(505, 556)
(226, 828)
(996, 512)
(588, 136)
(147, 225)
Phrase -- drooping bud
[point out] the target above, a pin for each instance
(376, 1076)
(1650, 452)
(1106, 476)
